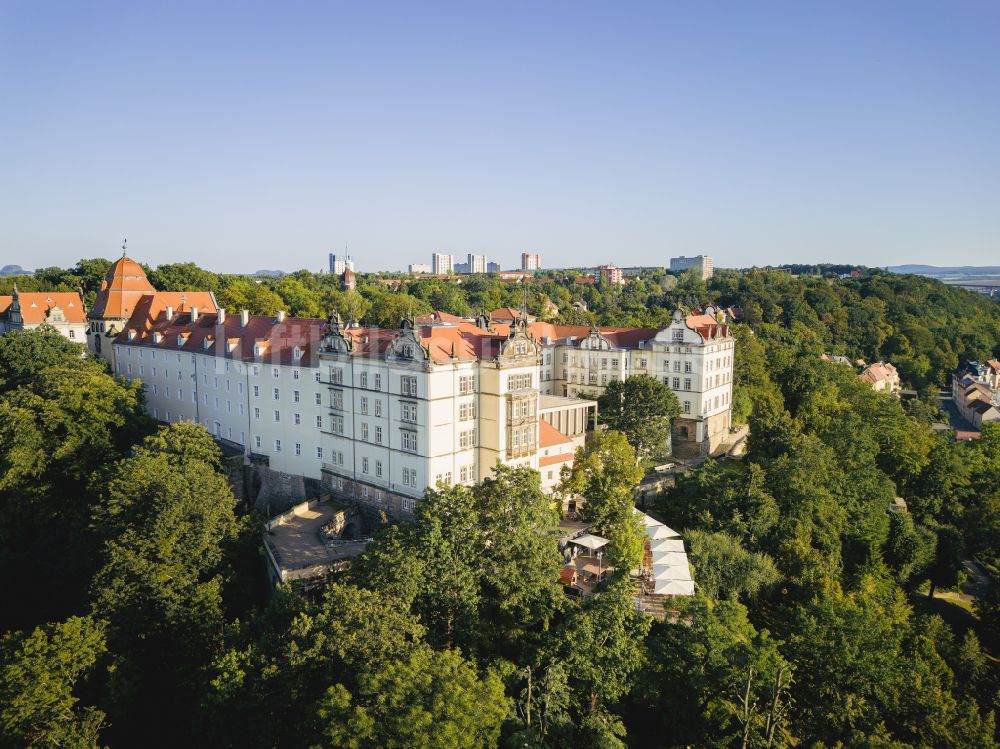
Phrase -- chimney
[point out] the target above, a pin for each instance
(194, 314)
(170, 313)
(244, 318)
(281, 315)
(221, 319)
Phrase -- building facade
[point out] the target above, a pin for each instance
(530, 261)
(26, 310)
(693, 356)
(341, 263)
(703, 264)
(443, 264)
(477, 263)
(609, 275)
(420, 268)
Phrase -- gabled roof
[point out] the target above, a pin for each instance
(878, 372)
(35, 305)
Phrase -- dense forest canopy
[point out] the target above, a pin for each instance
(139, 616)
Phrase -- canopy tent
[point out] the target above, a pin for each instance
(671, 572)
(659, 532)
(591, 542)
(670, 557)
(674, 587)
(666, 544)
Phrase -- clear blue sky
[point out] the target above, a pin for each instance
(245, 135)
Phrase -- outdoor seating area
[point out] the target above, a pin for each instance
(585, 566)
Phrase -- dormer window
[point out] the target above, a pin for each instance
(678, 336)
(296, 353)
(180, 340)
(230, 345)
(207, 343)
(407, 350)
(258, 349)
(131, 335)
(157, 337)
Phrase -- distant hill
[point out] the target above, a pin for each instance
(13, 270)
(270, 273)
(936, 271)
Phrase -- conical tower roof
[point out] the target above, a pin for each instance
(123, 287)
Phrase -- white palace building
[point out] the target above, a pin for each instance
(378, 415)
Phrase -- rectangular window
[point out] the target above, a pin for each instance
(687, 383)
(677, 366)
(276, 395)
(277, 415)
(408, 412)
(296, 396)
(319, 422)
(687, 367)
(408, 385)
(687, 407)
(298, 448)
(297, 418)
(364, 379)
(256, 441)
(409, 441)
(295, 374)
(337, 424)
(378, 468)
(364, 431)
(319, 399)
(378, 435)
(338, 400)
(275, 372)
(277, 446)
(316, 376)
(364, 465)
(378, 407)
(256, 391)
(319, 453)
(364, 406)
(677, 383)
(465, 384)
(378, 381)
(336, 375)
(256, 414)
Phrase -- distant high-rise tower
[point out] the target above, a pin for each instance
(702, 263)
(477, 263)
(530, 261)
(340, 263)
(443, 264)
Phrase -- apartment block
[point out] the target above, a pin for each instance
(703, 264)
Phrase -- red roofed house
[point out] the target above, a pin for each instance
(25, 310)
(882, 377)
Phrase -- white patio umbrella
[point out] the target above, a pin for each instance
(674, 587)
(670, 557)
(589, 541)
(672, 572)
(666, 544)
(660, 531)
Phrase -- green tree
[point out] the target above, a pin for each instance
(726, 570)
(40, 679)
(168, 515)
(640, 407)
(426, 699)
(25, 353)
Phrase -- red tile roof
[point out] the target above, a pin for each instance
(878, 372)
(549, 436)
(35, 305)
(277, 341)
(551, 460)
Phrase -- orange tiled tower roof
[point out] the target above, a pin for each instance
(122, 288)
